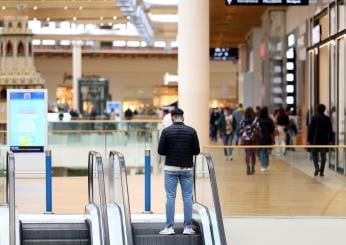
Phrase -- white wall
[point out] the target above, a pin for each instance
(133, 78)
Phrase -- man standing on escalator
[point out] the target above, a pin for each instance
(179, 143)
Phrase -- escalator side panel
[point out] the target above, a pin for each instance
(201, 216)
(115, 224)
(93, 218)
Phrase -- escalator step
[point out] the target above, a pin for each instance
(155, 228)
(177, 239)
(56, 242)
(55, 231)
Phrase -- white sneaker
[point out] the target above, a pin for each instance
(188, 231)
(263, 169)
(167, 231)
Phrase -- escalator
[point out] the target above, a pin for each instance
(50, 229)
(143, 229)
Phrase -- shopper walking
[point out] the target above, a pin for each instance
(266, 137)
(249, 131)
(320, 132)
(282, 123)
(238, 116)
(226, 131)
(214, 124)
(179, 143)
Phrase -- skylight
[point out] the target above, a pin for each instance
(162, 2)
(166, 18)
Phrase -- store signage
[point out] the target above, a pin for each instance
(116, 107)
(223, 53)
(267, 2)
(27, 120)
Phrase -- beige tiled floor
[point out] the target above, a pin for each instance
(284, 190)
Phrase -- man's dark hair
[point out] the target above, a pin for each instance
(321, 108)
(177, 112)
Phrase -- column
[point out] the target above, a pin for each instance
(193, 65)
(76, 71)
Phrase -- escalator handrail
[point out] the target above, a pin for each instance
(215, 194)
(10, 196)
(103, 228)
(124, 189)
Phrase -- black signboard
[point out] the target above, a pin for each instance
(223, 53)
(267, 2)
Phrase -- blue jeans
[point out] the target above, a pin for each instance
(171, 182)
(227, 140)
(264, 157)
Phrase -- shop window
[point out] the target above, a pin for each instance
(21, 50)
(19, 25)
(9, 49)
(10, 25)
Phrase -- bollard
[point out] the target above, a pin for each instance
(147, 184)
(49, 208)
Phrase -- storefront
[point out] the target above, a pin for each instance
(326, 76)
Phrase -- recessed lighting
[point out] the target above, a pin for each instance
(80, 7)
(3, 7)
(74, 18)
(65, 7)
(114, 17)
(48, 19)
(35, 7)
(101, 18)
(110, 23)
(34, 19)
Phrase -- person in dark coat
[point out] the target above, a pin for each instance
(320, 132)
(266, 136)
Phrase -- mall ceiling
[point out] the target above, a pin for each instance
(228, 25)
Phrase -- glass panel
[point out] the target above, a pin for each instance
(204, 191)
(333, 24)
(342, 15)
(324, 22)
(342, 103)
(333, 102)
(289, 187)
(324, 76)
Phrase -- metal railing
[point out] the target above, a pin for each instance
(215, 196)
(11, 196)
(124, 191)
(104, 230)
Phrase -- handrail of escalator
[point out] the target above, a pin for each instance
(11, 196)
(103, 228)
(125, 192)
(215, 194)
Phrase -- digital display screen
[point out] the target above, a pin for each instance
(267, 2)
(27, 121)
(223, 54)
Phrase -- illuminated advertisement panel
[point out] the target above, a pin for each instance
(27, 120)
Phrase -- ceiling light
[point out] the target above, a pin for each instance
(133, 44)
(110, 23)
(128, 17)
(35, 7)
(48, 42)
(36, 42)
(119, 43)
(65, 42)
(160, 2)
(48, 19)
(159, 44)
(3, 7)
(74, 18)
(168, 18)
(80, 7)
(35, 19)
(114, 17)
(101, 18)
(101, 24)
(65, 7)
